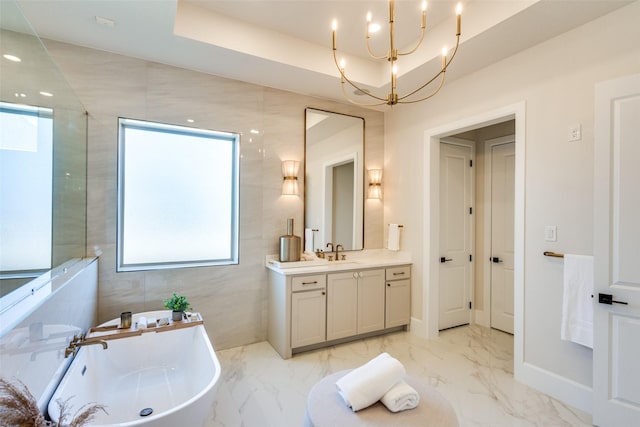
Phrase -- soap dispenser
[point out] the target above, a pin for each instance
(289, 244)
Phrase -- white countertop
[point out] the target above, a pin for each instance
(368, 258)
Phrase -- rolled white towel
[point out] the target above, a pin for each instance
(365, 385)
(142, 322)
(401, 397)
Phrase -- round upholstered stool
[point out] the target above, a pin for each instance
(325, 408)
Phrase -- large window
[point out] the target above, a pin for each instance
(26, 164)
(177, 196)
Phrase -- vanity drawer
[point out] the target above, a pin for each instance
(307, 283)
(396, 273)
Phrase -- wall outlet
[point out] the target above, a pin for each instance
(575, 133)
(551, 233)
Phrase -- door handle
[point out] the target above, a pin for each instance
(443, 259)
(608, 299)
(496, 259)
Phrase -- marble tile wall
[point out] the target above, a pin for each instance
(232, 298)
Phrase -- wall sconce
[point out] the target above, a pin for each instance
(290, 177)
(375, 184)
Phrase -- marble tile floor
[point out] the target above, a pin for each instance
(471, 366)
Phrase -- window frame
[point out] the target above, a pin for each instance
(154, 126)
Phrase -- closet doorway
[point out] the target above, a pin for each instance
(476, 269)
(456, 231)
(500, 154)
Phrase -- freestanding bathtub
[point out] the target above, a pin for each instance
(157, 379)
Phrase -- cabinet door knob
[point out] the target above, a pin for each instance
(389, 284)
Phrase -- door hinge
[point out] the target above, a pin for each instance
(470, 163)
(470, 258)
(470, 211)
(469, 305)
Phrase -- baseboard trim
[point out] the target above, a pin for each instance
(482, 318)
(418, 328)
(567, 391)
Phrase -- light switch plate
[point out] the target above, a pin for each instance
(551, 233)
(574, 133)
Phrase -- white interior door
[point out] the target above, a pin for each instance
(616, 344)
(456, 234)
(503, 162)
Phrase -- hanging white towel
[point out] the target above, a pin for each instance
(393, 242)
(577, 304)
(308, 240)
(365, 385)
(401, 397)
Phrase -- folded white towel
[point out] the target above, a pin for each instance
(401, 397)
(577, 303)
(365, 385)
(308, 240)
(393, 240)
(142, 322)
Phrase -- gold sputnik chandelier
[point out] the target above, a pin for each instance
(393, 98)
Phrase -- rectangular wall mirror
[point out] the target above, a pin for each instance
(334, 180)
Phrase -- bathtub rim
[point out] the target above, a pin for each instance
(209, 387)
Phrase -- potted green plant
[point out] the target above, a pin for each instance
(178, 304)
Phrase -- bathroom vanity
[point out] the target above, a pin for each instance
(324, 304)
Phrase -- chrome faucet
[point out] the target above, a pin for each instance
(82, 341)
(338, 247)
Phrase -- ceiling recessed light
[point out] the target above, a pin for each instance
(254, 131)
(12, 58)
(105, 21)
(190, 120)
(43, 93)
(20, 95)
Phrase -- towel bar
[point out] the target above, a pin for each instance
(553, 254)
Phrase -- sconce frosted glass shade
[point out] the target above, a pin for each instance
(290, 177)
(375, 184)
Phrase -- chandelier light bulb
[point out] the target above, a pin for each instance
(392, 55)
(334, 25)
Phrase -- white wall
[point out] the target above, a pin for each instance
(556, 81)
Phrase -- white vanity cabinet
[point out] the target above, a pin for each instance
(398, 296)
(308, 310)
(311, 308)
(355, 303)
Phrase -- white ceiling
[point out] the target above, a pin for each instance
(287, 44)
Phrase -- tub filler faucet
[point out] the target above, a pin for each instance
(82, 341)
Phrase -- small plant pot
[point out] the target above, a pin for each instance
(176, 316)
